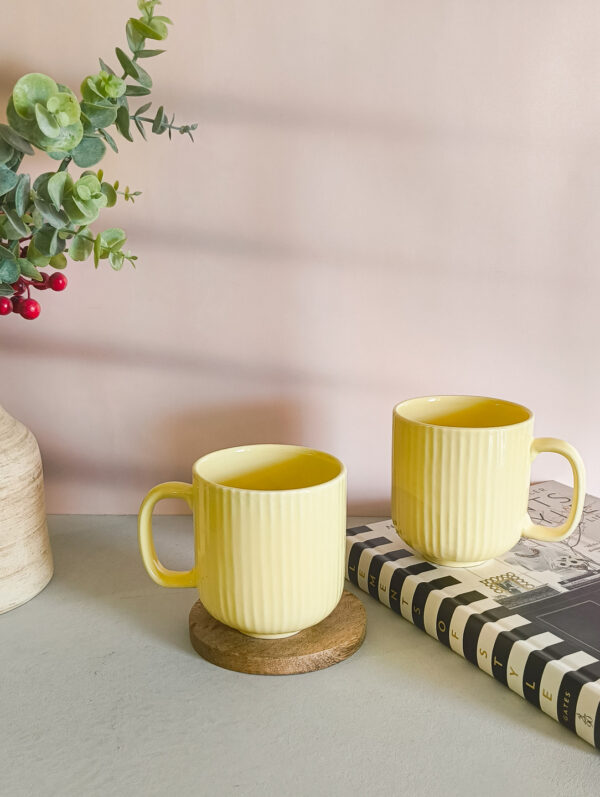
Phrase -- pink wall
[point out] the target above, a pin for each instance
(385, 199)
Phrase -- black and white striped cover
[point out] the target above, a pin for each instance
(550, 664)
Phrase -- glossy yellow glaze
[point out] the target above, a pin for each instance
(460, 477)
(270, 523)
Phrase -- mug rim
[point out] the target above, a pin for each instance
(281, 446)
(505, 402)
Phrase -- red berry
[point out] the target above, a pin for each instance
(58, 281)
(5, 305)
(43, 285)
(19, 286)
(29, 309)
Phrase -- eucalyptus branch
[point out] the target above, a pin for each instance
(43, 220)
(169, 126)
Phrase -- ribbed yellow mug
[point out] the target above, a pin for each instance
(460, 477)
(270, 532)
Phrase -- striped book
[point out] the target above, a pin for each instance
(530, 618)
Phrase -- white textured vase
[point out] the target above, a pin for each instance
(25, 556)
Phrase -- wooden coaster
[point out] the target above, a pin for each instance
(334, 639)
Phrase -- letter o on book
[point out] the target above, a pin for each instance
(441, 626)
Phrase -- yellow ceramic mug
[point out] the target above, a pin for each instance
(270, 531)
(460, 477)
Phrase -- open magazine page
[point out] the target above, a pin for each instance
(563, 565)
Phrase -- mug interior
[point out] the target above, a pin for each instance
(268, 467)
(466, 412)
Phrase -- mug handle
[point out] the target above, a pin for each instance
(157, 571)
(555, 533)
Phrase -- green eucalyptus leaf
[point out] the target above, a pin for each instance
(97, 251)
(58, 261)
(30, 90)
(135, 40)
(106, 68)
(8, 180)
(136, 91)
(103, 86)
(123, 122)
(15, 140)
(140, 127)
(87, 208)
(36, 257)
(133, 70)
(89, 151)
(38, 221)
(110, 194)
(78, 213)
(46, 121)
(57, 185)
(159, 27)
(161, 122)
(9, 271)
(90, 92)
(60, 154)
(88, 128)
(113, 239)
(99, 115)
(6, 289)
(81, 245)
(9, 231)
(17, 222)
(22, 194)
(56, 218)
(6, 151)
(148, 31)
(47, 241)
(91, 181)
(6, 254)
(143, 78)
(28, 269)
(83, 192)
(116, 260)
(129, 67)
(40, 184)
(149, 53)
(67, 138)
(109, 140)
(14, 162)
(143, 108)
(64, 107)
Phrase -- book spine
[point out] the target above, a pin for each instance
(549, 672)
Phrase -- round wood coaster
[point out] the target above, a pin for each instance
(334, 639)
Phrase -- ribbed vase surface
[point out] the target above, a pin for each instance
(25, 557)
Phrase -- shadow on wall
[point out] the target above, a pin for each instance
(173, 445)
(11, 72)
(134, 356)
(188, 436)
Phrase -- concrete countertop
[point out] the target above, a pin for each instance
(102, 694)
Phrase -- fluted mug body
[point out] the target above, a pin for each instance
(269, 525)
(460, 477)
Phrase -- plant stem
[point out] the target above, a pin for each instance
(64, 163)
(168, 127)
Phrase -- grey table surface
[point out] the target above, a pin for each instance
(102, 694)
